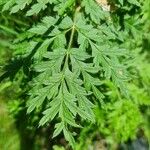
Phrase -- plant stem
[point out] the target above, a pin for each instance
(71, 39)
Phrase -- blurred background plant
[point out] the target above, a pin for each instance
(121, 123)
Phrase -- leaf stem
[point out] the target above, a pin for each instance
(73, 28)
(71, 39)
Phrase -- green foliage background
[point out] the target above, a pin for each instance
(121, 101)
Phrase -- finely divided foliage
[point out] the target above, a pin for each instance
(73, 48)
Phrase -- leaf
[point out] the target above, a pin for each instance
(36, 101)
(36, 8)
(65, 5)
(58, 129)
(135, 2)
(121, 2)
(20, 5)
(41, 28)
(51, 112)
(8, 5)
(69, 137)
(59, 41)
(70, 102)
(79, 55)
(69, 54)
(92, 8)
(86, 115)
(66, 23)
(98, 95)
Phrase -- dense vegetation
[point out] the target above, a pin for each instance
(75, 73)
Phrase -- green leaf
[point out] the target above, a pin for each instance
(8, 5)
(37, 101)
(68, 54)
(20, 5)
(70, 102)
(98, 95)
(69, 137)
(79, 55)
(60, 41)
(51, 112)
(121, 2)
(66, 23)
(135, 2)
(36, 8)
(86, 115)
(58, 129)
(64, 6)
(92, 8)
(42, 27)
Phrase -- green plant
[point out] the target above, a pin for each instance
(67, 50)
